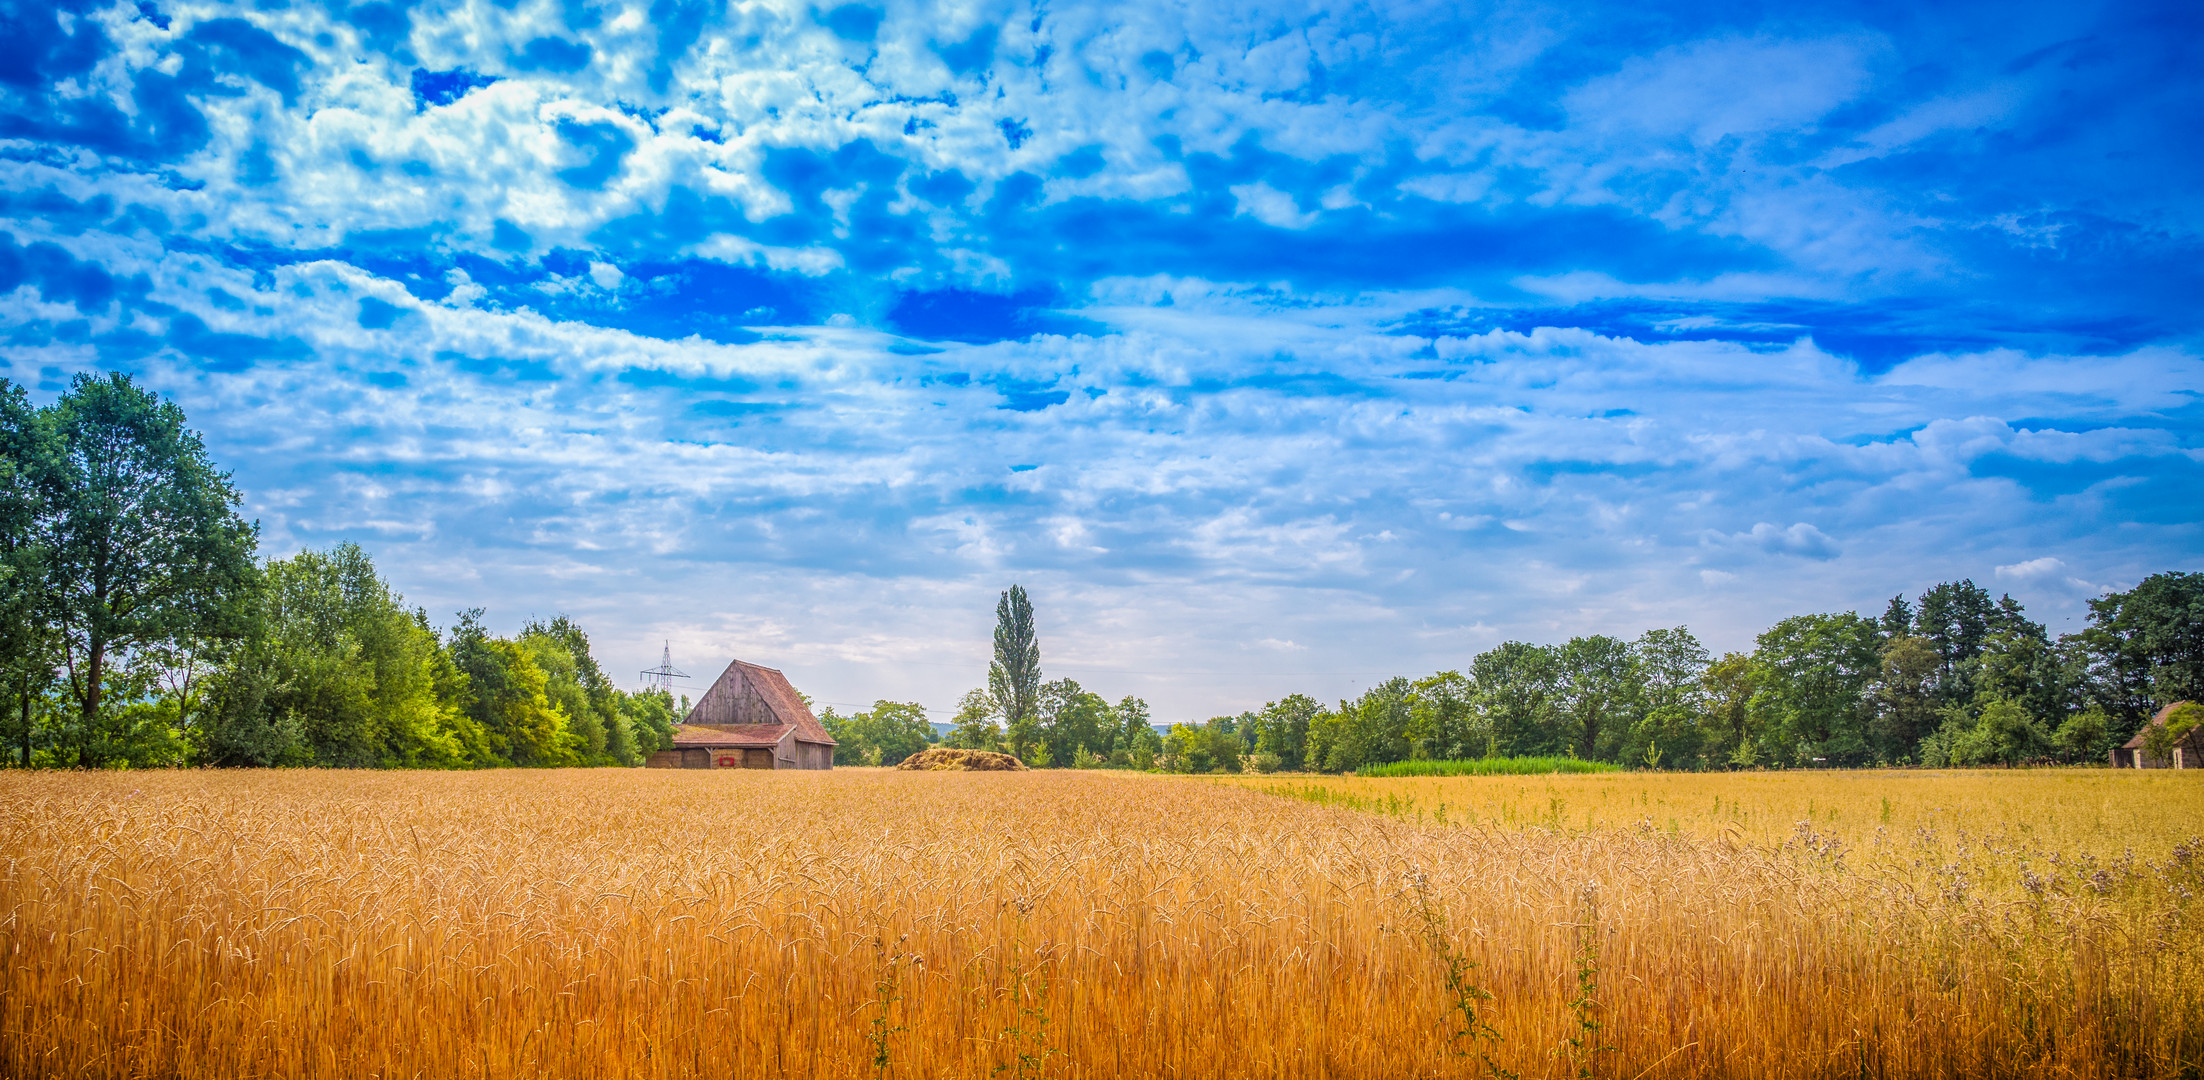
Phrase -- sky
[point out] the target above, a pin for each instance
(1273, 347)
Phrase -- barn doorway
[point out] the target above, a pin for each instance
(696, 759)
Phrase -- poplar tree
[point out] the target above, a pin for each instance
(1014, 678)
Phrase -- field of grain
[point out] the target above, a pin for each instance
(2068, 813)
(889, 924)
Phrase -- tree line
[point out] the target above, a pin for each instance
(138, 627)
(1952, 677)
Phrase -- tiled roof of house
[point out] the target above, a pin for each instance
(2159, 720)
(744, 735)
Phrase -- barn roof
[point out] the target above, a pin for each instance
(786, 703)
(748, 735)
(2159, 720)
(774, 692)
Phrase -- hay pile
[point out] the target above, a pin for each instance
(944, 758)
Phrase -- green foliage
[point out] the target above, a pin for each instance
(2144, 648)
(883, 735)
(1522, 766)
(1014, 678)
(1813, 680)
(506, 697)
(1467, 1028)
(975, 724)
(1584, 1044)
(141, 543)
(2084, 737)
(582, 694)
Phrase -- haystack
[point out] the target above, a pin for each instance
(947, 759)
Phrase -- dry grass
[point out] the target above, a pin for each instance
(739, 924)
(951, 759)
(2070, 812)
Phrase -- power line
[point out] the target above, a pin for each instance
(662, 676)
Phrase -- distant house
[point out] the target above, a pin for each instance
(2188, 750)
(749, 719)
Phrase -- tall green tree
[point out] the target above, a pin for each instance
(578, 686)
(1072, 719)
(504, 694)
(335, 672)
(1518, 694)
(1284, 729)
(1729, 733)
(144, 545)
(2146, 648)
(1955, 618)
(1014, 678)
(1815, 672)
(1670, 668)
(27, 645)
(1598, 694)
(1903, 698)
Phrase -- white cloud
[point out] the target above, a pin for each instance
(1272, 206)
(788, 498)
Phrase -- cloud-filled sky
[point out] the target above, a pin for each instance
(1274, 347)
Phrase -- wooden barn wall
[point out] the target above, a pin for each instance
(732, 700)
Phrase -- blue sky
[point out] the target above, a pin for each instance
(1274, 347)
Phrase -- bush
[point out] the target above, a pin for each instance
(1265, 762)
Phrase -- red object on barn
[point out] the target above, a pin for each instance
(750, 718)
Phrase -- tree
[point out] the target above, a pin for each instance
(1897, 618)
(578, 686)
(1517, 692)
(1014, 678)
(27, 654)
(975, 723)
(1072, 719)
(1138, 742)
(884, 735)
(649, 715)
(2082, 737)
(2146, 647)
(1955, 618)
(1282, 729)
(504, 695)
(1671, 665)
(1815, 674)
(334, 671)
(2003, 734)
(1598, 695)
(143, 544)
(1904, 697)
(1730, 734)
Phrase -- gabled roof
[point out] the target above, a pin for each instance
(746, 735)
(771, 690)
(2159, 720)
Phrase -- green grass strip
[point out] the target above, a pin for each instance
(1499, 766)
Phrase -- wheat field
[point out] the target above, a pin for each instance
(869, 923)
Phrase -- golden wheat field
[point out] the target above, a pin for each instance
(869, 923)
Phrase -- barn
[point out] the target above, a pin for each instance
(750, 718)
(2188, 750)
